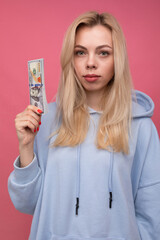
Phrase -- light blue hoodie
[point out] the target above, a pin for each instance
(83, 193)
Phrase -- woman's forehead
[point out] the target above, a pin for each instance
(96, 35)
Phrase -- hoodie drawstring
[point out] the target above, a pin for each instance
(110, 179)
(78, 179)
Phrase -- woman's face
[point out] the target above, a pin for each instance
(93, 57)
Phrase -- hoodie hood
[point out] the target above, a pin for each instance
(142, 105)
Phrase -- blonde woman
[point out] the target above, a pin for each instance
(93, 170)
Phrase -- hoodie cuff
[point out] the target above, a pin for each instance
(28, 173)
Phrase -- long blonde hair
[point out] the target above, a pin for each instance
(72, 111)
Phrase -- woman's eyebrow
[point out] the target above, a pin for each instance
(80, 46)
(99, 47)
(102, 46)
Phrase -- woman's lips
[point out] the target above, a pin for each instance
(91, 77)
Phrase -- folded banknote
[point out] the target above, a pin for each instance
(37, 85)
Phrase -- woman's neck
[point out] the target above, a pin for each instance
(94, 100)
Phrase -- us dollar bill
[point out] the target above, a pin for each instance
(37, 85)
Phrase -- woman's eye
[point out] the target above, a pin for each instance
(104, 53)
(79, 53)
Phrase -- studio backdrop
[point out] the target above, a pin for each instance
(35, 29)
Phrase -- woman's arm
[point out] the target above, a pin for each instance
(147, 201)
(24, 182)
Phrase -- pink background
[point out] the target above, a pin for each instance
(35, 29)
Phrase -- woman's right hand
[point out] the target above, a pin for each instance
(27, 124)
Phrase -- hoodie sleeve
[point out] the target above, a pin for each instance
(24, 185)
(147, 202)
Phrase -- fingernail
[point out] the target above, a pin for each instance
(39, 123)
(34, 130)
(39, 111)
(38, 129)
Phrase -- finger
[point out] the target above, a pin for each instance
(30, 108)
(35, 109)
(22, 125)
(31, 119)
(31, 113)
(27, 114)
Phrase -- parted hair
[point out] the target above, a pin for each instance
(72, 110)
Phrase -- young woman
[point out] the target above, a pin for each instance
(93, 170)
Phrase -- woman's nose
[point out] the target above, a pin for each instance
(91, 62)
